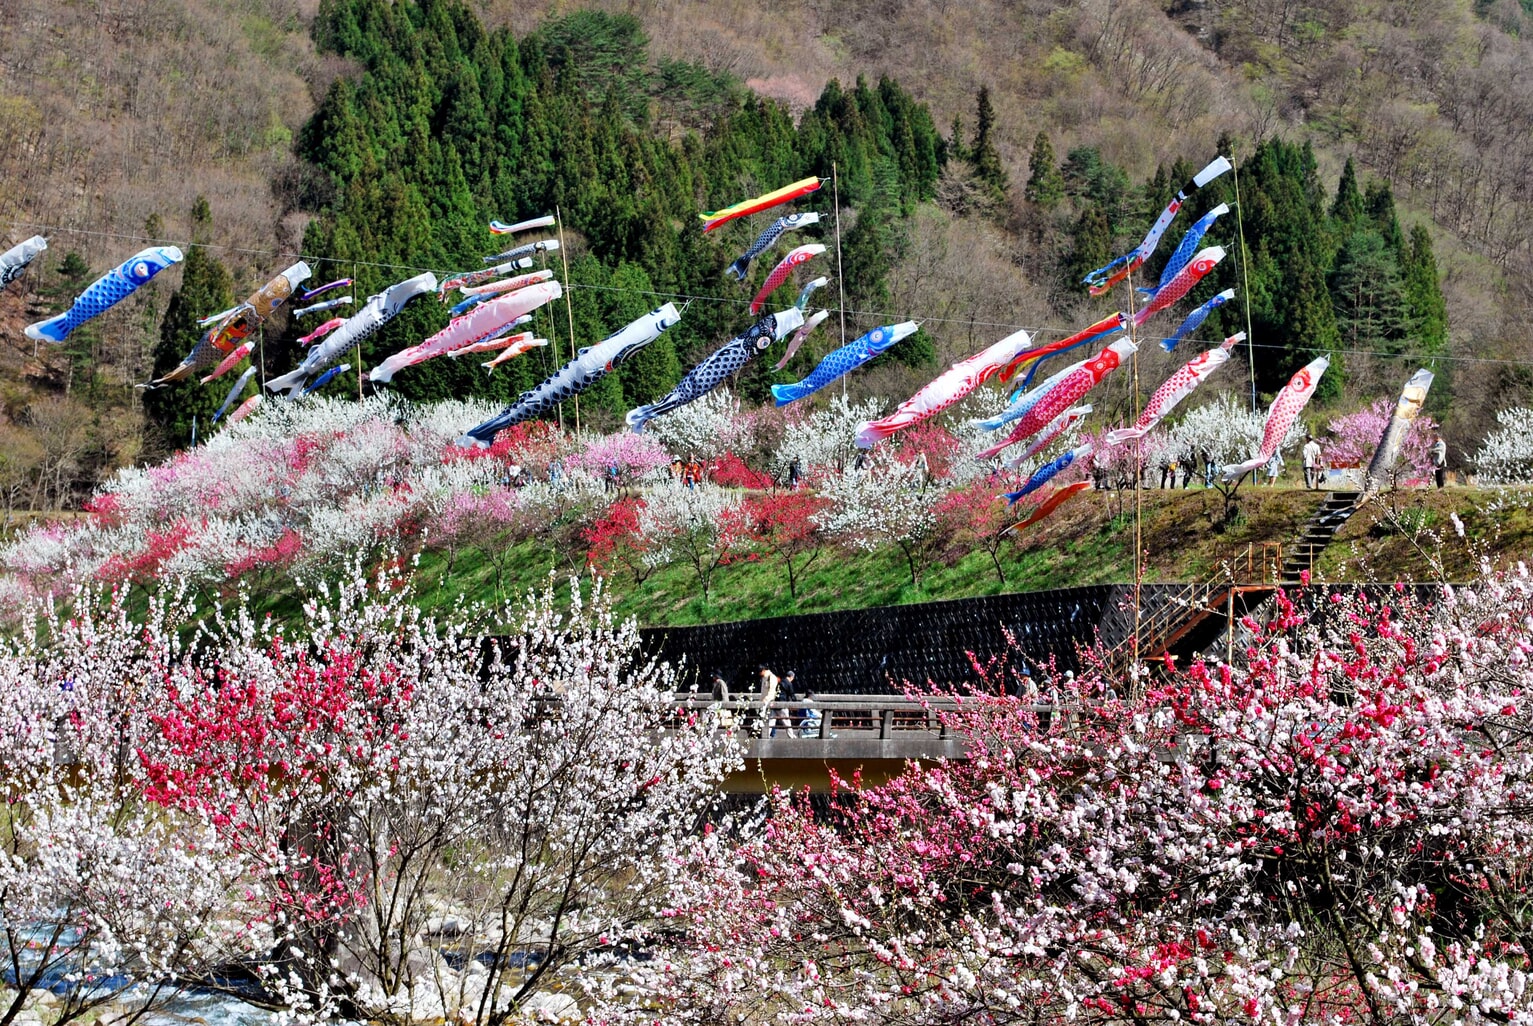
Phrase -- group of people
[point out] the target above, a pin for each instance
(796, 721)
(688, 472)
(1313, 457)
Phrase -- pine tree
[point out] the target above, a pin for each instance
(206, 288)
(1368, 293)
(1347, 207)
(956, 150)
(1424, 304)
(1090, 246)
(1045, 185)
(1379, 202)
(983, 156)
(1089, 178)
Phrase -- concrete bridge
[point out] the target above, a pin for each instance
(875, 735)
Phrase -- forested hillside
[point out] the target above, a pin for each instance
(985, 155)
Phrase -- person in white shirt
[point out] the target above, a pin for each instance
(1312, 471)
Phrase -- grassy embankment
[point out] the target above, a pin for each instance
(1089, 541)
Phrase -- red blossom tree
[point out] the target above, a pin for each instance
(730, 471)
(786, 526)
(932, 444)
(614, 541)
(973, 517)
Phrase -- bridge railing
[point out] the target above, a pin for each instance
(826, 717)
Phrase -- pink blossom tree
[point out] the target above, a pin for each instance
(1331, 832)
(1355, 436)
(635, 456)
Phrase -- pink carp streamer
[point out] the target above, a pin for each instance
(1174, 389)
(1049, 505)
(781, 271)
(243, 410)
(513, 350)
(1285, 410)
(946, 389)
(469, 328)
(1177, 287)
(227, 363)
(322, 330)
(1066, 421)
(800, 335)
(1070, 387)
(494, 343)
(521, 281)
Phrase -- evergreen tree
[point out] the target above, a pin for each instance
(1424, 305)
(1368, 294)
(71, 277)
(982, 155)
(1379, 202)
(1089, 178)
(1347, 207)
(448, 125)
(956, 150)
(1090, 246)
(206, 288)
(1045, 185)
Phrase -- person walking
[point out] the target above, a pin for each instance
(768, 682)
(1440, 461)
(1274, 468)
(795, 473)
(1311, 455)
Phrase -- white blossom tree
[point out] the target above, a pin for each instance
(705, 527)
(108, 907)
(1507, 455)
(714, 423)
(824, 439)
(888, 502)
(398, 789)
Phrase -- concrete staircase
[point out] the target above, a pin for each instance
(1335, 510)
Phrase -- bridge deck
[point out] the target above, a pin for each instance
(874, 735)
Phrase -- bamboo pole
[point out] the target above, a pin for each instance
(1138, 487)
(1245, 279)
(569, 308)
(835, 193)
